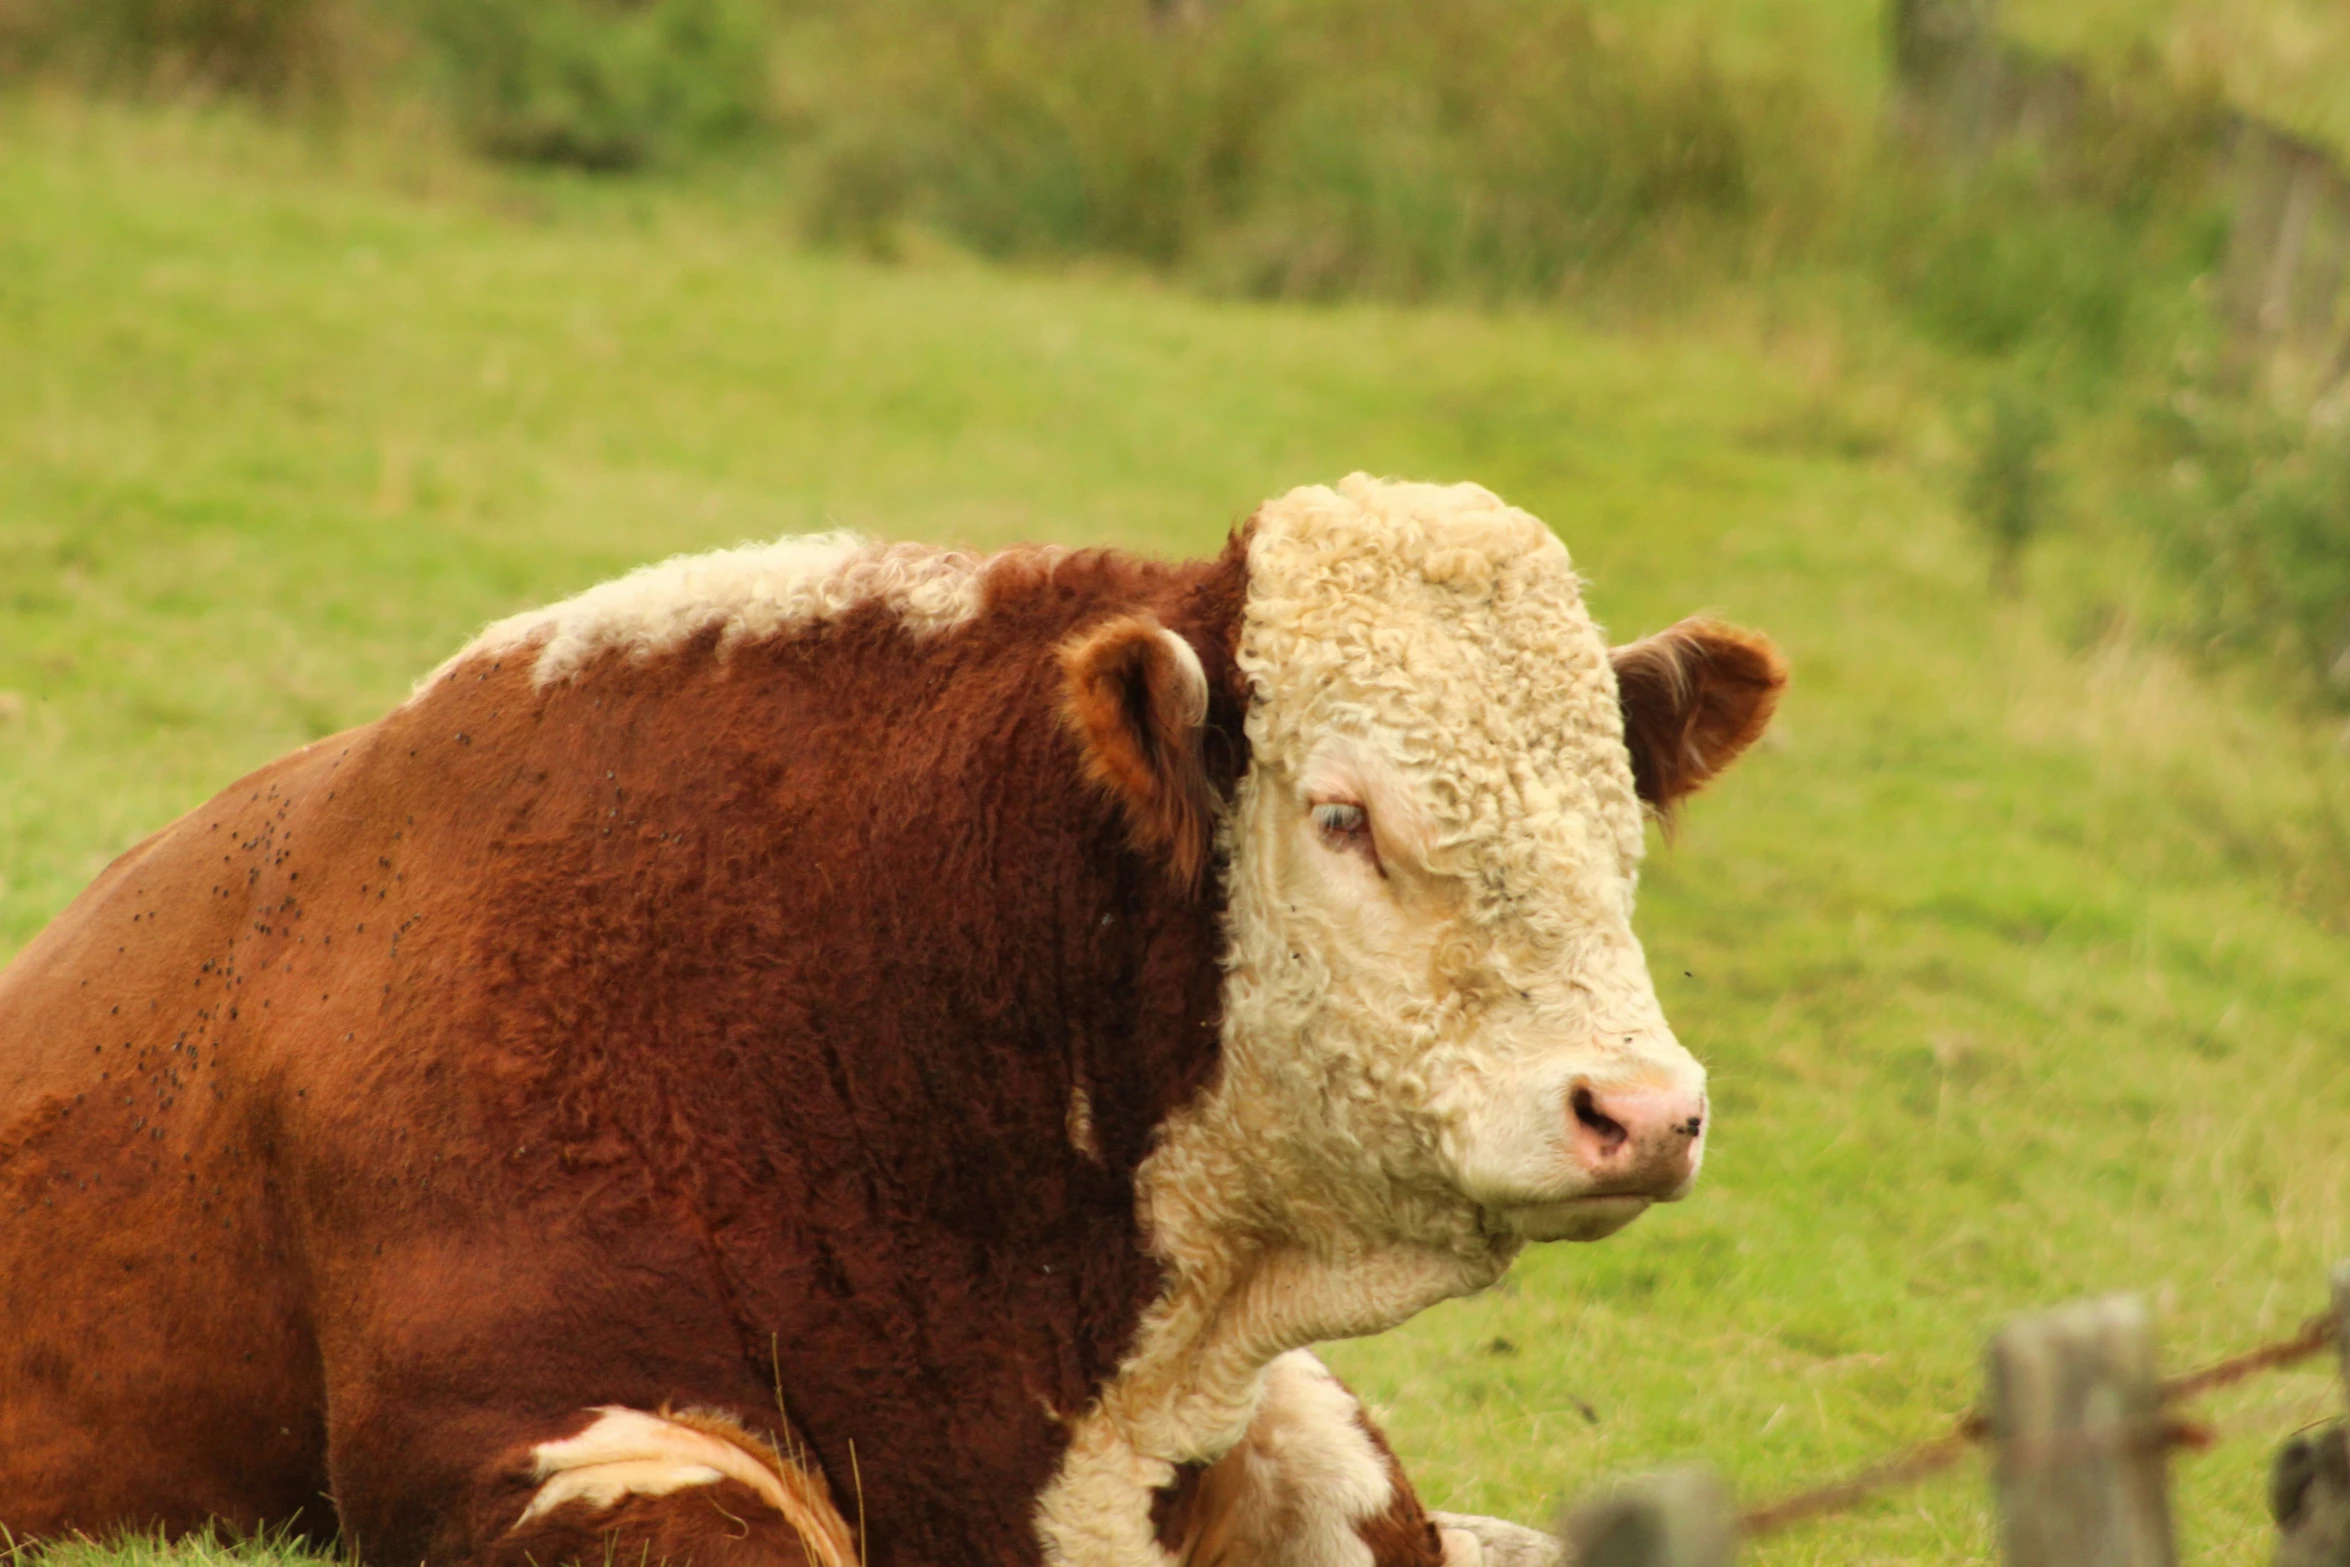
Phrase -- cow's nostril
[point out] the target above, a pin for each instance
(1610, 1131)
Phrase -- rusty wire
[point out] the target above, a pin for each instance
(1936, 1454)
(2315, 1338)
(1903, 1468)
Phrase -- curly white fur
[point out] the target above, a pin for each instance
(746, 594)
(1401, 1033)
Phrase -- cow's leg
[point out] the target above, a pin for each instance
(634, 1486)
(579, 1394)
(1314, 1484)
(1496, 1542)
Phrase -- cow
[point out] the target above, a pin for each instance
(833, 1052)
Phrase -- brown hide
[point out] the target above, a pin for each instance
(694, 1033)
(1404, 1535)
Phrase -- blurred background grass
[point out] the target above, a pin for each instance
(332, 328)
(1612, 158)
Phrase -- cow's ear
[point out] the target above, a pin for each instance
(1694, 695)
(1137, 701)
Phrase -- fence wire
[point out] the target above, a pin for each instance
(1913, 1464)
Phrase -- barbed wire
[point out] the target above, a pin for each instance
(1936, 1454)
(2317, 1335)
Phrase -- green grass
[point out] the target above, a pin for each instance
(146, 1550)
(2017, 952)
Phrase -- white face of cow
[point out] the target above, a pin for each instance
(1439, 1038)
(1439, 1025)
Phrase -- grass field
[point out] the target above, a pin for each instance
(2017, 952)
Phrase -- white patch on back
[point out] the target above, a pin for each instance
(747, 594)
(628, 1452)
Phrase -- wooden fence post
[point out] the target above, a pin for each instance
(2076, 1431)
(1679, 1518)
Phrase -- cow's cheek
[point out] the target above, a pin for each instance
(1505, 1137)
(1332, 906)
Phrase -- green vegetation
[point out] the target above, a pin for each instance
(2257, 525)
(2016, 952)
(1491, 148)
(2007, 484)
(595, 87)
(2285, 58)
(1611, 159)
(206, 1550)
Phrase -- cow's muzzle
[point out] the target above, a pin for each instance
(1644, 1143)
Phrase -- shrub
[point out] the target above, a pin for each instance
(1055, 128)
(2008, 484)
(605, 84)
(1990, 260)
(271, 49)
(2070, 234)
(2259, 525)
(599, 84)
(1317, 147)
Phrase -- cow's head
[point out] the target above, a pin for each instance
(1439, 1028)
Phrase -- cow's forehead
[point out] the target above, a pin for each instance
(1446, 631)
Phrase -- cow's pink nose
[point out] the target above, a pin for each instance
(1637, 1143)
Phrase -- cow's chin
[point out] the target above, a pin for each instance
(1572, 1218)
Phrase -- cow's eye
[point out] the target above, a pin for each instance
(1344, 823)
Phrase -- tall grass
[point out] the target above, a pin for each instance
(1489, 148)
(2255, 518)
(1483, 149)
(2007, 484)
(271, 49)
(599, 84)
(210, 1546)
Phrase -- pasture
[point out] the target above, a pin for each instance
(2016, 953)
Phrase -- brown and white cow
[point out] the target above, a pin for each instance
(827, 1052)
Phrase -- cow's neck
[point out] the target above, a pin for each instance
(1190, 1386)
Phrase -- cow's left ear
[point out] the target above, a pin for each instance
(1694, 696)
(1137, 701)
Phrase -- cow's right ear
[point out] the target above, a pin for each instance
(1137, 701)
(1694, 696)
